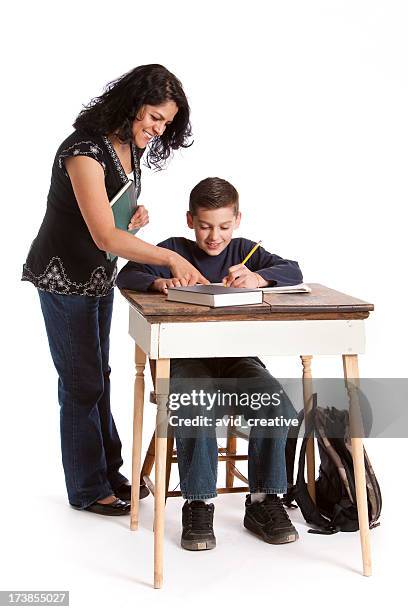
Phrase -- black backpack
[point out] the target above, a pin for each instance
(336, 507)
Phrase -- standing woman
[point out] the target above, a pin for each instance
(68, 264)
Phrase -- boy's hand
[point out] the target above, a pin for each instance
(240, 276)
(162, 284)
(139, 219)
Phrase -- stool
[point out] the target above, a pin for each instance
(227, 454)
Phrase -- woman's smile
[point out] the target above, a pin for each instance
(147, 135)
(152, 121)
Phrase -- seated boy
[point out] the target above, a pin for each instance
(213, 215)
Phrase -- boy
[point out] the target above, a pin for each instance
(213, 215)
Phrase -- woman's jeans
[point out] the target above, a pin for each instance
(197, 450)
(78, 334)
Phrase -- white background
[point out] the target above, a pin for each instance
(302, 105)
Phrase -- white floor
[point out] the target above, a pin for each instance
(46, 545)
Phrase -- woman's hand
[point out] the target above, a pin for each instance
(162, 284)
(139, 219)
(185, 272)
(240, 276)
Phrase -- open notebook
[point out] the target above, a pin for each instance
(301, 288)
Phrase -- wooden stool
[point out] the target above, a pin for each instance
(227, 454)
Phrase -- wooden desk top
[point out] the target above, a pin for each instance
(321, 303)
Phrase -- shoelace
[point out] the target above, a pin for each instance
(273, 509)
(200, 517)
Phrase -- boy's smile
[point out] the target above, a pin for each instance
(213, 228)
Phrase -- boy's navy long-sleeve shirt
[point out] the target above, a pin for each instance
(272, 268)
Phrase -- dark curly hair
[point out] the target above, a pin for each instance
(116, 109)
(211, 193)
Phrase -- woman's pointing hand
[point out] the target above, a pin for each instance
(183, 270)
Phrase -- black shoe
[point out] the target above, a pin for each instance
(269, 520)
(115, 508)
(198, 533)
(125, 489)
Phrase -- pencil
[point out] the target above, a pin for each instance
(251, 252)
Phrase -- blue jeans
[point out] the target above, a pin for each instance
(198, 456)
(78, 334)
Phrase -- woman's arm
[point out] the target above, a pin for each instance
(87, 179)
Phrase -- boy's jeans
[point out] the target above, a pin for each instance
(78, 329)
(198, 455)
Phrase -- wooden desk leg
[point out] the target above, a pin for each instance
(162, 394)
(138, 402)
(230, 463)
(307, 402)
(350, 367)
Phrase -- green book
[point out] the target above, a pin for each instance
(124, 205)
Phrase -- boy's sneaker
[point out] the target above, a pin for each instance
(198, 531)
(269, 520)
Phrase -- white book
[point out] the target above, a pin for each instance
(301, 288)
(215, 295)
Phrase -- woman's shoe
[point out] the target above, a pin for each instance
(115, 508)
(125, 490)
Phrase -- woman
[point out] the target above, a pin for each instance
(68, 264)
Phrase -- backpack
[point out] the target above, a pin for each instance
(336, 507)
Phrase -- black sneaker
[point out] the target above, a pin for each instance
(269, 520)
(198, 533)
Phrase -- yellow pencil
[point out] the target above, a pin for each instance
(251, 252)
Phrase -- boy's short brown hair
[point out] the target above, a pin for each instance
(211, 193)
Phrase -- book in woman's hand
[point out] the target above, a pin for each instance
(124, 206)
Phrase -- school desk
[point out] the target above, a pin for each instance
(324, 322)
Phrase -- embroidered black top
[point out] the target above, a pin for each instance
(63, 258)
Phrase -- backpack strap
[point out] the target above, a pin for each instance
(290, 452)
(300, 492)
(290, 448)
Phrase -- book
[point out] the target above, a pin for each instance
(215, 295)
(124, 206)
(301, 288)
